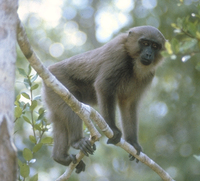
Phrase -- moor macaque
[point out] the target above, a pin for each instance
(117, 73)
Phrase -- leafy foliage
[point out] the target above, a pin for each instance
(28, 109)
(187, 40)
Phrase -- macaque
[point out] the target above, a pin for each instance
(118, 73)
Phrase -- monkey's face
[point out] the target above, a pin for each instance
(144, 44)
(149, 50)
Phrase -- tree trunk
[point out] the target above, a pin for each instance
(8, 26)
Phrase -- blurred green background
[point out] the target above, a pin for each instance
(170, 113)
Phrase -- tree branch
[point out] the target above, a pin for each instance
(85, 112)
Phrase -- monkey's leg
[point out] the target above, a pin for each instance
(130, 125)
(77, 140)
(61, 147)
(61, 142)
(107, 106)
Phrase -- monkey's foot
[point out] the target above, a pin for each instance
(116, 137)
(81, 165)
(139, 149)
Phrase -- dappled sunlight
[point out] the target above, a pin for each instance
(149, 4)
(49, 11)
(56, 49)
(160, 109)
(125, 5)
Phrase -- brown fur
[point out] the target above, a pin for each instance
(107, 75)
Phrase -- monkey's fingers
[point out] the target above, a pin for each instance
(90, 147)
(87, 148)
(80, 167)
(139, 149)
(84, 150)
(94, 147)
(131, 158)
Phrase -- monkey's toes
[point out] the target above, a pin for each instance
(116, 138)
(80, 167)
(139, 149)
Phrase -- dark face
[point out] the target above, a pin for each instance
(149, 49)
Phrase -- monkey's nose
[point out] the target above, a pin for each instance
(148, 56)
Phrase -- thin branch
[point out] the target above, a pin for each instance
(188, 34)
(85, 112)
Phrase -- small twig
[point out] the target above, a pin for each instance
(188, 34)
(66, 175)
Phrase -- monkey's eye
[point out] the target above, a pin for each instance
(155, 46)
(145, 43)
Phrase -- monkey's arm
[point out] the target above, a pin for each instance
(130, 123)
(107, 102)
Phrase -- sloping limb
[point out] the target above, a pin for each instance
(86, 113)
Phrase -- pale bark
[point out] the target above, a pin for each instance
(8, 25)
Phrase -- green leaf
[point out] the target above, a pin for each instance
(174, 26)
(34, 78)
(27, 154)
(24, 94)
(32, 139)
(22, 72)
(179, 22)
(168, 48)
(47, 140)
(27, 107)
(192, 29)
(34, 86)
(19, 162)
(27, 83)
(175, 45)
(17, 103)
(41, 115)
(18, 112)
(24, 170)
(27, 119)
(37, 97)
(41, 110)
(34, 178)
(37, 147)
(37, 127)
(188, 45)
(18, 97)
(33, 105)
(198, 66)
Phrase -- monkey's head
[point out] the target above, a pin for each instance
(144, 44)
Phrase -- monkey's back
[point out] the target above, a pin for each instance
(80, 72)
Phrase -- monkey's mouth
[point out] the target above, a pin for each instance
(145, 62)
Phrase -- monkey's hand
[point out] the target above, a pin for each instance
(138, 148)
(81, 165)
(116, 137)
(85, 146)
